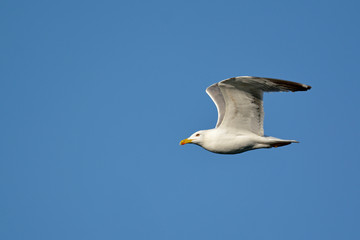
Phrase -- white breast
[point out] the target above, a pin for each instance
(218, 141)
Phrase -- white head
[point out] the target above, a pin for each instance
(195, 138)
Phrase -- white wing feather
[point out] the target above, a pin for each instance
(215, 94)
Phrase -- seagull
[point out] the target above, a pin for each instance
(239, 127)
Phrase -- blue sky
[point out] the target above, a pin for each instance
(96, 95)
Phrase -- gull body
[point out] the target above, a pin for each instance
(240, 115)
(221, 141)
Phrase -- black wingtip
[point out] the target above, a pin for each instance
(291, 86)
(305, 88)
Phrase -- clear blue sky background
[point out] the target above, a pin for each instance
(96, 95)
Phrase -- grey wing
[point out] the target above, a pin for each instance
(240, 101)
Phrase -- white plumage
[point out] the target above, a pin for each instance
(239, 127)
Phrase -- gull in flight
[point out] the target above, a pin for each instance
(239, 102)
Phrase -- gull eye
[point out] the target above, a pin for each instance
(197, 135)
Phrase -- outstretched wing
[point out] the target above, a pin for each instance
(239, 101)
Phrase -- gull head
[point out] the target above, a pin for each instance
(195, 138)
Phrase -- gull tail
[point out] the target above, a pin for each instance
(276, 142)
(283, 143)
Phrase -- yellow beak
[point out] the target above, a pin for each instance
(185, 141)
